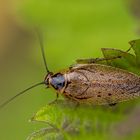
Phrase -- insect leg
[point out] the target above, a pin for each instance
(113, 104)
(57, 96)
(94, 60)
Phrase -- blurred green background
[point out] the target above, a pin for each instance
(72, 29)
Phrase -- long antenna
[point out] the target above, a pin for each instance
(40, 37)
(20, 93)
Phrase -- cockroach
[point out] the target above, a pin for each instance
(90, 83)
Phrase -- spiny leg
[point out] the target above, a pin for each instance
(96, 60)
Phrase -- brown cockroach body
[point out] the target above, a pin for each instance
(95, 84)
(90, 82)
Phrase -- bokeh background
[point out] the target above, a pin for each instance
(72, 29)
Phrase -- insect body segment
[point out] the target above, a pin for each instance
(57, 81)
(95, 84)
(100, 84)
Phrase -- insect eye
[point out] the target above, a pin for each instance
(58, 81)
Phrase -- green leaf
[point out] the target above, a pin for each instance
(68, 120)
(124, 61)
(40, 134)
(135, 44)
(71, 122)
(50, 114)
